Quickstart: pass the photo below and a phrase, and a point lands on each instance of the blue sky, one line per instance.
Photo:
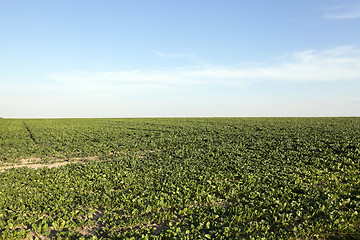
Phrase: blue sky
(110, 58)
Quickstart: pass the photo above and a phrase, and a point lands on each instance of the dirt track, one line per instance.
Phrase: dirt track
(36, 163)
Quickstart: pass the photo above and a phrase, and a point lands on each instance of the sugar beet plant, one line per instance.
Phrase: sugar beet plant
(210, 178)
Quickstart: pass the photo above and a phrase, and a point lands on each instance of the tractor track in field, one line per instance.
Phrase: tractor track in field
(36, 163)
(30, 133)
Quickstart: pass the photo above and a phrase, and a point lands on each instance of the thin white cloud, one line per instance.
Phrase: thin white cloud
(175, 55)
(337, 7)
(351, 15)
(343, 12)
(337, 64)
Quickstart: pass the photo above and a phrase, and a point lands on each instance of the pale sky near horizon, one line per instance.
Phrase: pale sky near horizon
(139, 58)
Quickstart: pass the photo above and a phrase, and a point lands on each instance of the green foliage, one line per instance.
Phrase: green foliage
(202, 178)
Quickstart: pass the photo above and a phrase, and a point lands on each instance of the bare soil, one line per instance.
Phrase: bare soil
(36, 163)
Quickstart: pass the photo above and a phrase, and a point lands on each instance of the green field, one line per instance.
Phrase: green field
(181, 178)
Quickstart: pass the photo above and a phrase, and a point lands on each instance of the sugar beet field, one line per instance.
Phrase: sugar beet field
(181, 178)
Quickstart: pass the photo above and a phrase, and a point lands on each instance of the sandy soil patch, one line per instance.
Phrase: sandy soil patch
(36, 163)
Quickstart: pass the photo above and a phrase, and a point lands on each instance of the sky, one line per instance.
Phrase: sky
(188, 58)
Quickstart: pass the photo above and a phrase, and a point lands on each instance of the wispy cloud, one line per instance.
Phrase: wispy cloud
(176, 55)
(337, 64)
(350, 15)
(343, 12)
(337, 6)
